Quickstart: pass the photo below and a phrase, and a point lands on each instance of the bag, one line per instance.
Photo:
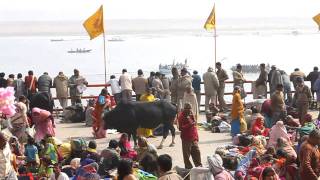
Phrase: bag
(78, 144)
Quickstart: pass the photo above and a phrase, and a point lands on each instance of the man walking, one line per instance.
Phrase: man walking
(189, 137)
(211, 85)
(222, 77)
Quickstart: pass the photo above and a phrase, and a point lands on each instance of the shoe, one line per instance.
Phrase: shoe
(160, 147)
(172, 144)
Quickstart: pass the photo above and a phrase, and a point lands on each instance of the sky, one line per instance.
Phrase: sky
(66, 10)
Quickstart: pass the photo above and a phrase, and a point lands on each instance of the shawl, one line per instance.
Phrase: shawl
(286, 147)
(40, 115)
(192, 100)
(215, 164)
(237, 106)
(277, 131)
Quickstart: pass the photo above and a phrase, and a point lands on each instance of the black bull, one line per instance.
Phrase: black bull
(129, 117)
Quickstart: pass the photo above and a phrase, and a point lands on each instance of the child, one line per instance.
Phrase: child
(31, 153)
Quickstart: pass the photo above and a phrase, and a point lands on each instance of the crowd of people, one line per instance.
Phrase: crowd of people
(268, 153)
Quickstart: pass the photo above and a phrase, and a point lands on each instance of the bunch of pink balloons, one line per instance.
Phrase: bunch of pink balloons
(7, 106)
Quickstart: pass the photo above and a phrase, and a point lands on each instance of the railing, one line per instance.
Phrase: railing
(107, 85)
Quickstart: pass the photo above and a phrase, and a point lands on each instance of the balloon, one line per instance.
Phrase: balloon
(7, 101)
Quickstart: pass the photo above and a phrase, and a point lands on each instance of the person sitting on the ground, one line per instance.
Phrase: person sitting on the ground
(58, 174)
(258, 146)
(31, 154)
(276, 132)
(285, 146)
(126, 150)
(290, 171)
(91, 152)
(165, 168)
(70, 170)
(269, 173)
(24, 174)
(216, 167)
(110, 158)
(148, 163)
(145, 147)
(308, 125)
(258, 127)
(125, 170)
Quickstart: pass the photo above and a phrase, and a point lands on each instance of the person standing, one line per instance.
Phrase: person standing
(317, 89)
(294, 75)
(309, 157)
(77, 85)
(174, 85)
(146, 97)
(276, 79)
(60, 82)
(125, 82)
(45, 83)
(150, 78)
(196, 85)
(19, 86)
(31, 84)
(286, 87)
(189, 137)
(222, 77)
(115, 88)
(211, 85)
(3, 81)
(139, 85)
(261, 82)
(10, 80)
(278, 105)
(166, 87)
(237, 110)
(302, 98)
(184, 81)
(273, 68)
(239, 80)
(312, 77)
(158, 86)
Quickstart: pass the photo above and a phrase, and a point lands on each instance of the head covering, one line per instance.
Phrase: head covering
(277, 131)
(39, 115)
(215, 164)
(284, 145)
(75, 163)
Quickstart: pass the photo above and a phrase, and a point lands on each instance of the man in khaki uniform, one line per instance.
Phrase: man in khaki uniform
(139, 85)
(222, 77)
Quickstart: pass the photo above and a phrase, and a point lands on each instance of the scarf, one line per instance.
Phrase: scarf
(277, 131)
(215, 164)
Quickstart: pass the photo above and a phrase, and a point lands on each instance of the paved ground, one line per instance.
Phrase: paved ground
(208, 141)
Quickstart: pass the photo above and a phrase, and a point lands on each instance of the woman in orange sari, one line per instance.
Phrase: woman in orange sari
(237, 115)
(103, 102)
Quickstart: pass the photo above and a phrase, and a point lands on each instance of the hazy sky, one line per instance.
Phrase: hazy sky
(43, 10)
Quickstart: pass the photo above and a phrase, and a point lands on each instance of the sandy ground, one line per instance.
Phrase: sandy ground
(207, 143)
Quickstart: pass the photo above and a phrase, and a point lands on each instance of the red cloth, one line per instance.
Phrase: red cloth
(266, 107)
(33, 86)
(187, 126)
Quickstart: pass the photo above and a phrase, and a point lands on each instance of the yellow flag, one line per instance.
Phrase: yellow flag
(211, 21)
(317, 19)
(94, 24)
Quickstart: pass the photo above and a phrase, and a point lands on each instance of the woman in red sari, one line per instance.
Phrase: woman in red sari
(258, 127)
(103, 102)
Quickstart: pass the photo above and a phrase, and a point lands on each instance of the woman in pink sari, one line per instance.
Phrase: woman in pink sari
(278, 131)
(43, 124)
(126, 150)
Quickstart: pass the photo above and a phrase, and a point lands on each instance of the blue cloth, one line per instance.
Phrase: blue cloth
(30, 152)
(244, 164)
(196, 82)
(101, 100)
(267, 121)
(235, 127)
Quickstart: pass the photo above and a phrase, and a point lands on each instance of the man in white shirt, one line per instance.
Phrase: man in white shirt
(115, 88)
(126, 86)
(57, 174)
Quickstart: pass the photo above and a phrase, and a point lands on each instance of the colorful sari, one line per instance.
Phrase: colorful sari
(145, 131)
(126, 150)
(98, 123)
(258, 127)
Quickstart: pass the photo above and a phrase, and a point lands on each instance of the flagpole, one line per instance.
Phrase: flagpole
(105, 58)
(215, 38)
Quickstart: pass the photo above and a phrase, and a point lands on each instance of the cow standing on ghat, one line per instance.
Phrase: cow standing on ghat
(128, 117)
